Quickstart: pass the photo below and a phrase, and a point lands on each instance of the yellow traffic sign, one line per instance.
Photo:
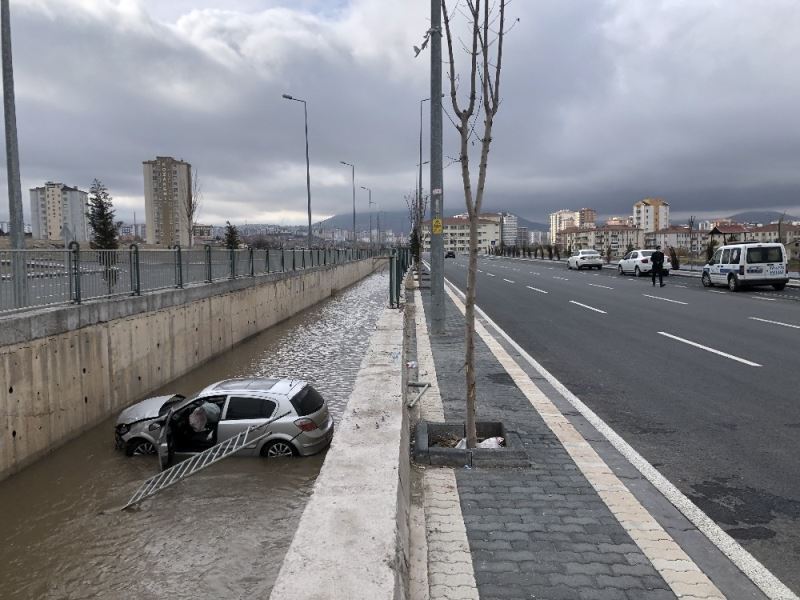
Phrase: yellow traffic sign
(437, 226)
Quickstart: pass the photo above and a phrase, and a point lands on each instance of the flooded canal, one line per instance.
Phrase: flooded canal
(220, 534)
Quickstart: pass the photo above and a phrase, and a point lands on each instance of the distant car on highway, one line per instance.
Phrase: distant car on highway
(638, 262)
(449, 254)
(747, 264)
(590, 259)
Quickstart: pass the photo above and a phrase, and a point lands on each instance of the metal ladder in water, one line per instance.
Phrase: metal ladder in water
(200, 461)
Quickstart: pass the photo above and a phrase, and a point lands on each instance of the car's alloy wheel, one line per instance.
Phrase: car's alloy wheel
(278, 449)
(706, 279)
(141, 448)
(637, 272)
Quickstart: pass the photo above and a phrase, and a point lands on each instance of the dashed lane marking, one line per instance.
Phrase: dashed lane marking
(508, 280)
(744, 361)
(775, 322)
(664, 299)
(600, 286)
(490, 274)
(536, 290)
(561, 278)
(717, 292)
(589, 307)
(767, 299)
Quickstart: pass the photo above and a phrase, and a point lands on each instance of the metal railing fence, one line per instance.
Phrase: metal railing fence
(77, 274)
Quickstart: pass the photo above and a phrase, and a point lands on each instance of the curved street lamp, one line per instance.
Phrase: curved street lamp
(308, 171)
(353, 167)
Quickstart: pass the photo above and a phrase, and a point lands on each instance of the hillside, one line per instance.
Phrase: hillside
(761, 216)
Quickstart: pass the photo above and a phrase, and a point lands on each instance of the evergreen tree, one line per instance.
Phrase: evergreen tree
(232, 240)
(101, 217)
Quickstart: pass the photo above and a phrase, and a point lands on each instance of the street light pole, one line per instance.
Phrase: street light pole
(12, 162)
(308, 169)
(436, 180)
(353, 167)
(369, 190)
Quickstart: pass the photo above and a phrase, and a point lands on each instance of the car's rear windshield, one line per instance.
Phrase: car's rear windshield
(647, 252)
(307, 401)
(771, 254)
(591, 253)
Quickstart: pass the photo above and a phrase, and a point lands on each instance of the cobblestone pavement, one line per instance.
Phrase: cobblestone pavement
(565, 527)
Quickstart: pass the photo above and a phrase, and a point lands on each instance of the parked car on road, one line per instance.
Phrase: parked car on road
(307, 427)
(449, 254)
(585, 258)
(746, 264)
(638, 262)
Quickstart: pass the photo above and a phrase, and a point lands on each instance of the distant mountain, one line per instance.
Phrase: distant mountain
(532, 225)
(398, 221)
(761, 216)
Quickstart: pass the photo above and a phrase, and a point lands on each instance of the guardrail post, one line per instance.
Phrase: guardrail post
(251, 260)
(267, 261)
(133, 259)
(178, 266)
(303, 258)
(294, 263)
(232, 260)
(392, 277)
(75, 251)
(283, 260)
(209, 274)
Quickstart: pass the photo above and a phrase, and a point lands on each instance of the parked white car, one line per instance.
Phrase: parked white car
(585, 258)
(748, 263)
(638, 262)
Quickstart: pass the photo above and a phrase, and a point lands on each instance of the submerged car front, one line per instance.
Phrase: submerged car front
(136, 431)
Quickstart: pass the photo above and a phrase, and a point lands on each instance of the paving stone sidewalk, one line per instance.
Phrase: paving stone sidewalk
(542, 531)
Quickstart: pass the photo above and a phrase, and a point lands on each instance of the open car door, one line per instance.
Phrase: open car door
(166, 442)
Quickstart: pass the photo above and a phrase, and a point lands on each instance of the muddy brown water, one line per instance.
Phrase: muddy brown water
(220, 534)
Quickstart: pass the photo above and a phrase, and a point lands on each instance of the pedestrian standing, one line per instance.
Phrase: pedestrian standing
(657, 258)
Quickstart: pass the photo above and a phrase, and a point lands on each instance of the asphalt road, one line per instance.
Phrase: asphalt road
(704, 383)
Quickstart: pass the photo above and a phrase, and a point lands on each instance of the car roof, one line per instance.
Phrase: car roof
(281, 386)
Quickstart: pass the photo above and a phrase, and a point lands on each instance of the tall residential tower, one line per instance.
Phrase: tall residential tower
(58, 212)
(167, 192)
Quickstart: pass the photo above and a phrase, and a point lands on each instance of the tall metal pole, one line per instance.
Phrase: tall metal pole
(353, 167)
(369, 190)
(436, 183)
(308, 168)
(12, 162)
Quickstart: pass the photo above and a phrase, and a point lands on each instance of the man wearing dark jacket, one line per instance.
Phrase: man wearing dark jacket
(658, 265)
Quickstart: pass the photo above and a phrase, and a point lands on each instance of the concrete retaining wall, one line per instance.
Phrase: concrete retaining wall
(65, 369)
(352, 541)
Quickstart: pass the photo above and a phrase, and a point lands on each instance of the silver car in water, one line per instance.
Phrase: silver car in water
(137, 429)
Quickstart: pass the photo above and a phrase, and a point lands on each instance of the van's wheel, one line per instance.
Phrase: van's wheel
(139, 447)
(733, 283)
(278, 449)
(778, 286)
(637, 272)
(619, 270)
(706, 279)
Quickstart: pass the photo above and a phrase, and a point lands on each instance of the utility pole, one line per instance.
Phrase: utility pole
(437, 243)
(369, 190)
(308, 168)
(12, 163)
(353, 167)
(691, 240)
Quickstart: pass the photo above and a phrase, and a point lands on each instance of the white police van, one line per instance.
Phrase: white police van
(747, 263)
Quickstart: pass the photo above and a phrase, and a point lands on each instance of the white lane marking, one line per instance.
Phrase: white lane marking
(490, 274)
(508, 280)
(664, 553)
(717, 292)
(600, 286)
(775, 322)
(773, 587)
(664, 299)
(767, 299)
(712, 350)
(561, 278)
(679, 285)
(536, 290)
(589, 307)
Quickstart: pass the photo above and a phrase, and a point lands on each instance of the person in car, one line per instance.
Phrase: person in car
(657, 258)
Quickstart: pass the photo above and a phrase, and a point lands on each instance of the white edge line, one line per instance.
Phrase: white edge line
(589, 307)
(712, 350)
(775, 322)
(767, 299)
(536, 290)
(664, 299)
(773, 587)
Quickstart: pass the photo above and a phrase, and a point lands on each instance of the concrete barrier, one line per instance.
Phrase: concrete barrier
(65, 369)
(352, 541)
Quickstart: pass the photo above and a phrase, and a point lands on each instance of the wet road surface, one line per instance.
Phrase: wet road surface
(220, 534)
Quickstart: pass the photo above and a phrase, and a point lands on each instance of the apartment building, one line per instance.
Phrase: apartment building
(510, 229)
(167, 190)
(538, 237)
(455, 233)
(58, 212)
(616, 237)
(678, 237)
(566, 219)
(651, 214)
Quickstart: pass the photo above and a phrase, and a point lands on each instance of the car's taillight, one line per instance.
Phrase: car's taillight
(741, 269)
(305, 425)
(644, 260)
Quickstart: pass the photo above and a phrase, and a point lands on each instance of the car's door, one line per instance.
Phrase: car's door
(631, 264)
(242, 412)
(166, 446)
(714, 266)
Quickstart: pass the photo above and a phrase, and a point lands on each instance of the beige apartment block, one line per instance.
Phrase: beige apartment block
(651, 214)
(58, 212)
(167, 190)
(455, 232)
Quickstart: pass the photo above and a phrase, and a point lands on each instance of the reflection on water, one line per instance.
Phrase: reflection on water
(220, 534)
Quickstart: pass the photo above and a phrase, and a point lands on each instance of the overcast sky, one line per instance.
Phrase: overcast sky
(604, 102)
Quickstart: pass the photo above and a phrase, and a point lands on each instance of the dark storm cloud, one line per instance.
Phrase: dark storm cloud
(603, 102)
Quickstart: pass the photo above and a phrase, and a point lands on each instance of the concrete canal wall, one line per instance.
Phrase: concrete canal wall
(353, 538)
(65, 369)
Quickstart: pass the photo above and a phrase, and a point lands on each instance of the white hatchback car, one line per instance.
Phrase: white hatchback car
(638, 262)
(585, 258)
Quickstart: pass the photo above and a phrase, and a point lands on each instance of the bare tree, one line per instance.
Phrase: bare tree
(191, 205)
(485, 52)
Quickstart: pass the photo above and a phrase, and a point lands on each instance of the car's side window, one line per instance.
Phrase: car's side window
(248, 408)
(736, 254)
(726, 256)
